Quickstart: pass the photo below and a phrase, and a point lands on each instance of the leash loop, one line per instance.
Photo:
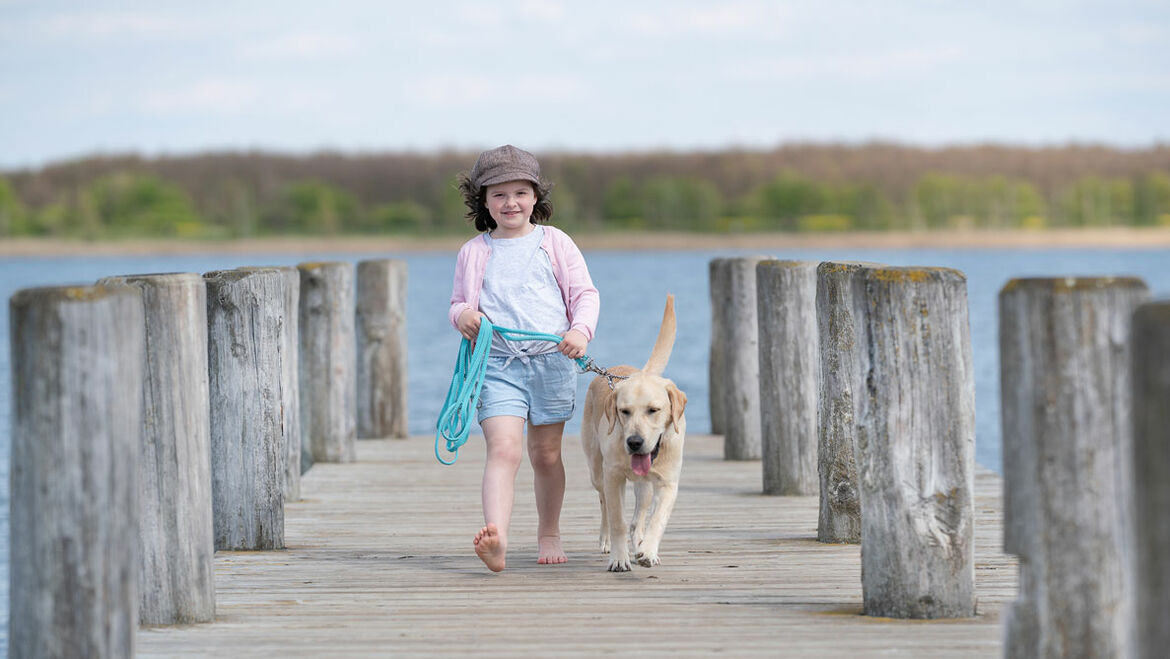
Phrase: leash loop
(454, 424)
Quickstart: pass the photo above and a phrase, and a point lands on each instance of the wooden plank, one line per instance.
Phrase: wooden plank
(379, 561)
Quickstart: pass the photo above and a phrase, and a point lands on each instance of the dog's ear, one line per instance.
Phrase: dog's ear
(609, 407)
(678, 403)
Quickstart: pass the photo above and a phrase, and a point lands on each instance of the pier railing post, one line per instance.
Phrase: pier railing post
(916, 446)
(841, 326)
(381, 348)
(328, 360)
(244, 347)
(290, 386)
(1067, 426)
(789, 362)
(1151, 419)
(77, 364)
(735, 358)
(176, 580)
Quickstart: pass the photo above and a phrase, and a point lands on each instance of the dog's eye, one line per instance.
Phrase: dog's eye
(625, 412)
(652, 410)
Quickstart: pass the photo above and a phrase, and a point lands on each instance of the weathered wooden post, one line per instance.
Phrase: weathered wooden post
(1151, 420)
(77, 357)
(381, 348)
(916, 446)
(735, 357)
(245, 327)
(841, 326)
(176, 581)
(328, 360)
(1066, 401)
(290, 386)
(789, 375)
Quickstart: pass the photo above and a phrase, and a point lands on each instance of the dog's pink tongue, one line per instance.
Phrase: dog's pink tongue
(640, 463)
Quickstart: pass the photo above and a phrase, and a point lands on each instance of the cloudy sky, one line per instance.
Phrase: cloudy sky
(162, 77)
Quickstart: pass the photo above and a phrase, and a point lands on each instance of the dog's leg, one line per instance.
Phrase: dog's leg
(664, 504)
(619, 550)
(603, 535)
(643, 496)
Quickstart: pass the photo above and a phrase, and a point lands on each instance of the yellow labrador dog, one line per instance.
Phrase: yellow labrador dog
(634, 432)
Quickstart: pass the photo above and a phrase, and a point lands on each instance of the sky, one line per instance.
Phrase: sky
(173, 78)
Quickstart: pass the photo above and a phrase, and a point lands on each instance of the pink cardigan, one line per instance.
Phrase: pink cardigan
(581, 298)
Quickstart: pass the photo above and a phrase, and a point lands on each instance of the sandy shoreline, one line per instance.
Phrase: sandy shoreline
(1065, 238)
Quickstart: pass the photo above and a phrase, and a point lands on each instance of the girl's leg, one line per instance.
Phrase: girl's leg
(503, 435)
(544, 452)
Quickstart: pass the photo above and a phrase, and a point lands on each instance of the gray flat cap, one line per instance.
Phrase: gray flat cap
(503, 164)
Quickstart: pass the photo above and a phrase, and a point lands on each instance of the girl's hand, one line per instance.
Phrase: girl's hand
(469, 323)
(573, 344)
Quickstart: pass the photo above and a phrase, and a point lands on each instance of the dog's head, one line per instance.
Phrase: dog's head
(648, 408)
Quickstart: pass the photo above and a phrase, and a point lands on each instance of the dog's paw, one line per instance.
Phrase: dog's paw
(647, 560)
(604, 546)
(619, 565)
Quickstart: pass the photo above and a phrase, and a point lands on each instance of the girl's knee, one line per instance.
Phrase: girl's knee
(544, 457)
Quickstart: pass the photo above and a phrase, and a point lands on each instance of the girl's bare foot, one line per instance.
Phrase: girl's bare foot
(489, 548)
(550, 550)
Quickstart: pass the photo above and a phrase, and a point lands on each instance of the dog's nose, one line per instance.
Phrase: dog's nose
(634, 443)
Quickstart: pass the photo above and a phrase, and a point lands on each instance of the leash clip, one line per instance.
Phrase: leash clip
(591, 366)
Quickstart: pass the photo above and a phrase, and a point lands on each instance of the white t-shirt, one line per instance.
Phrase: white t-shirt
(520, 291)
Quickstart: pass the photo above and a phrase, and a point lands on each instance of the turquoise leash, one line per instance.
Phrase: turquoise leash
(470, 366)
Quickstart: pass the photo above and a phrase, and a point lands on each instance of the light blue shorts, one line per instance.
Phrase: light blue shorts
(543, 391)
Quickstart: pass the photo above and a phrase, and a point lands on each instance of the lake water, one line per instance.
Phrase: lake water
(633, 289)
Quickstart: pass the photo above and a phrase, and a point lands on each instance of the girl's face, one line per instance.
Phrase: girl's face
(510, 205)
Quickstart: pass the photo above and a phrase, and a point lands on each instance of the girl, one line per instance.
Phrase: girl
(521, 274)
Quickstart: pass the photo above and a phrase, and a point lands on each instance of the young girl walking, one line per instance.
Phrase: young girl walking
(521, 273)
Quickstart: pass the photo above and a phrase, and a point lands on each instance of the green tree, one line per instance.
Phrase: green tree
(12, 212)
(782, 202)
(1152, 200)
(680, 203)
(621, 206)
(315, 208)
(400, 217)
(132, 205)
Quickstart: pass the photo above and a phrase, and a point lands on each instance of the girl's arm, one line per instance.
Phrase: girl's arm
(583, 300)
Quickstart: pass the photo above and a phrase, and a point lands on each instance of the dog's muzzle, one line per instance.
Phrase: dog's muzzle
(640, 462)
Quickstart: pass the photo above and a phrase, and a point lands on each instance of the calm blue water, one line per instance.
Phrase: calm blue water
(633, 289)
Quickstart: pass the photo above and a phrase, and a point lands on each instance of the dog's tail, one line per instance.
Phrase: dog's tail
(665, 343)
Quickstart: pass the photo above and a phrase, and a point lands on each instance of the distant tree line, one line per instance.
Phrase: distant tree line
(793, 188)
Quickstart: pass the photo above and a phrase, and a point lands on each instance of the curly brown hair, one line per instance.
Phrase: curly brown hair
(475, 198)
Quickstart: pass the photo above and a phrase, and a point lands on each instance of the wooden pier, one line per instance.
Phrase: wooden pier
(379, 563)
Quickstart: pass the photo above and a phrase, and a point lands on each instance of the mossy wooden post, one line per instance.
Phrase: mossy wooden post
(77, 367)
(290, 387)
(916, 446)
(841, 326)
(381, 348)
(176, 581)
(328, 360)
(1151, 420)
(789, 375)
(1067, 425)
(735, 356)
(245, 328)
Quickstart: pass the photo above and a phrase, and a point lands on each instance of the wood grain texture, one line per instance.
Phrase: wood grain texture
(328, 361)
(77, 363)
(381, 348)
(245, 341)
(790, 368)
(1151, 418)
(379, 563)
(735, 356)
(916, 445)
(841, 311)
(1067, 442)
(174, 478)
